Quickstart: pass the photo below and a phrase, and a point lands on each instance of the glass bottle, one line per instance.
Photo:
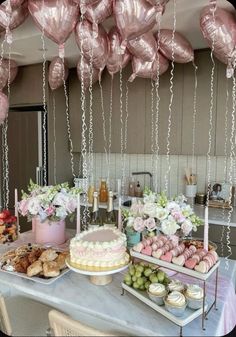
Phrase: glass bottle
(132, 187)
(91, 190)
(103, 194)
(110, 218)
(95, 219)
(138, 190)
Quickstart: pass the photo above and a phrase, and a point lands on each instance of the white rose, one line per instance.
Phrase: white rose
(186, 227)
(151, 198)
(61, 213)
(169, 226)
(161, 213)
(172, 205)
(130, 221)
(34, 206)
(187, 211)
(150, 209)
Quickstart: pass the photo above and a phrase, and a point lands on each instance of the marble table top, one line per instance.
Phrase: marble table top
(103, 307)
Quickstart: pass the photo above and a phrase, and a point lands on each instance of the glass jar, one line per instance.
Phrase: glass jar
(103, 193)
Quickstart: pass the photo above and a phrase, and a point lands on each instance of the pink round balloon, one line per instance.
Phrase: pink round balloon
(58, 17)
(17, 17)
(223, 31)
(183, 51)
(144, 47)
(148, 69)
(133, 18)
(4, 72)
(116, 60)
(83, 69)
(4, 106)
(98, 12)
(98, 45)
(58, 72)
(14, 3)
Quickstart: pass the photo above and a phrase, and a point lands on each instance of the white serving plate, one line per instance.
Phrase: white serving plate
(175, 267)
(35, 278)
(188, 316)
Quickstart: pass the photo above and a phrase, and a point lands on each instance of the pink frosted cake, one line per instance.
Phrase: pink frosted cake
(99, 249)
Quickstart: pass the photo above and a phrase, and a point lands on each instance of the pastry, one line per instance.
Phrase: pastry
(48, 255)
(50, 269)
(35, 268)
(175, 303)
(194, 296)
(176, 285)
(34, 255)
(21, 264)
(157, 292)
(60, 260)
(101, 248)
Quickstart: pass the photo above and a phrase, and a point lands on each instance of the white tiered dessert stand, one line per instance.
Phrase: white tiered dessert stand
(99, 278)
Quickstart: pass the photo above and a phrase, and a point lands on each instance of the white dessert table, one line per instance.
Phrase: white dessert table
(105, 308)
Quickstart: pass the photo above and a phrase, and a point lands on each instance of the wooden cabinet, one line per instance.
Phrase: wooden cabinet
(204, 64)
(27, 87)
(176, 119)
(223, 84)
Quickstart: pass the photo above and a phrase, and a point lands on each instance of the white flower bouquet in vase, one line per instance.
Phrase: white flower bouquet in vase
(48, 207)
(157, 213)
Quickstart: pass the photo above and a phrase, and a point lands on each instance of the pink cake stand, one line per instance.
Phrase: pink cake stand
(99, 278)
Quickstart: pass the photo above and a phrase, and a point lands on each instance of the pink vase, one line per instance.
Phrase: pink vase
(49, 232)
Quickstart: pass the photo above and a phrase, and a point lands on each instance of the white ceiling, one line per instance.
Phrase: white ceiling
(27, 45)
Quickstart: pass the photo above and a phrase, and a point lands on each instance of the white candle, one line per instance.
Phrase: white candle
(78, 215)
(119, 216)
(206, 229)
(16, 203)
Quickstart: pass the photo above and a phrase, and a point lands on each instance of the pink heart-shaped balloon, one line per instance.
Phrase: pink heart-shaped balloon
(14, 3)
(84, 70)
(116, 60)
(144, 47)
(134, 17)
(58, 17)
(4, 106)
(58, 73)
(17, 17)
(98, 12)
(148, 69)
(4, 72)
(183, 51)
(88, 43)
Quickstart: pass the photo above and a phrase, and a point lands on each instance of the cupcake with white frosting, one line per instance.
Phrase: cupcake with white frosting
(176, 285)
(175, 303)
(194, 295)
(157, 292)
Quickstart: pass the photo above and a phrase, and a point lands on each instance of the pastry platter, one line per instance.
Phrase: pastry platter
(97, 277)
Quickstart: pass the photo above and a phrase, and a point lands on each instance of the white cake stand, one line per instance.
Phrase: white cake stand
(99, 278)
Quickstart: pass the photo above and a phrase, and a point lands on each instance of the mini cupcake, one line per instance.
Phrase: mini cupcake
(157, 292)
(194, 296)
(176, 285)
(175, 303)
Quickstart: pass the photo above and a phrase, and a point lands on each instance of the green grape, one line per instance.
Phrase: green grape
(135, 285)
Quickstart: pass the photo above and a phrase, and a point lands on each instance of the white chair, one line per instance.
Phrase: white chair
(63, 325)
(21, 316)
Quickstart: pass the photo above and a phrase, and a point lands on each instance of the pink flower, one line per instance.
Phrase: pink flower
(23, 206)
(178, 216)
(138, 224)
(50, 210)
(150, 224)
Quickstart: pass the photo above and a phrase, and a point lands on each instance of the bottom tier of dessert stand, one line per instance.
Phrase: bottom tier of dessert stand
(99, 278)
(192, 273)
(188, 316)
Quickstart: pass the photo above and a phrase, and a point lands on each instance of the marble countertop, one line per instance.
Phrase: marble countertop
(217, 216)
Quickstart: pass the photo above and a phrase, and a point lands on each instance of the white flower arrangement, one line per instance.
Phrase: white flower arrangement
(54, 203)
(157, 212)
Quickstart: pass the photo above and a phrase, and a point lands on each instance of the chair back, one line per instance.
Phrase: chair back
(63, 325)
(5, 325)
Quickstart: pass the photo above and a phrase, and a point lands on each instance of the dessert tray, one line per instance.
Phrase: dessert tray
(188, 316)
(175, 267)
(34, 262)
(97, 277)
